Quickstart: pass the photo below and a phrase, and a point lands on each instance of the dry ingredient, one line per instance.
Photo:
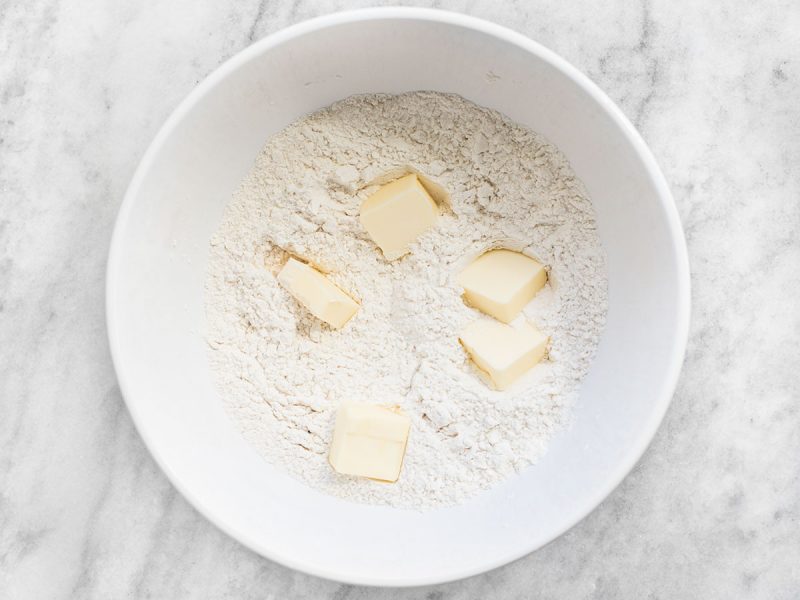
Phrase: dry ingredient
(283, 374)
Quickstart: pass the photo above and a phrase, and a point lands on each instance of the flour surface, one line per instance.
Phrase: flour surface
(282, 373)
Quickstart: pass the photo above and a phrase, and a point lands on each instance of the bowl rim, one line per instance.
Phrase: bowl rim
(680, 254)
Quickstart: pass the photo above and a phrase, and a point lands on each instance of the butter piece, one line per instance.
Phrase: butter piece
(317, 293)
(503, 353)
(396, 214)
(369, 441)
(501, 282)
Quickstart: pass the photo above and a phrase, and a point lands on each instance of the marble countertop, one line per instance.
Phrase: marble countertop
(711, 511)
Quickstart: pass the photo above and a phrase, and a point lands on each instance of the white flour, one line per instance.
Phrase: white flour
(282, 373)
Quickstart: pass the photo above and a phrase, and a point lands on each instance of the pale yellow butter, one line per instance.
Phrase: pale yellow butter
(396, 214)
(369, 441)
(317, 293)
(502, 352)
(501, 282)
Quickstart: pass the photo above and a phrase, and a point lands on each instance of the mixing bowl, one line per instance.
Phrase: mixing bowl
(159, 254)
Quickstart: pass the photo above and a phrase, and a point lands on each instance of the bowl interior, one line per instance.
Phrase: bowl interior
(159, 255)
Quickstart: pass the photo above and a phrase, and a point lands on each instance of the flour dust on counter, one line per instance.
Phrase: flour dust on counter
(283, 373)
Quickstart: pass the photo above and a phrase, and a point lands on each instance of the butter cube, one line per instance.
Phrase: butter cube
(501, 282)
(503, 353)
(369, 441)
(317, 293)
(396, 214)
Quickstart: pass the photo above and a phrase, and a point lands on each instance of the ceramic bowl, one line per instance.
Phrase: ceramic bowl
(159, 253)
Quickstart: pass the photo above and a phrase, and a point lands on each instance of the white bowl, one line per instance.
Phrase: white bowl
(156, 307)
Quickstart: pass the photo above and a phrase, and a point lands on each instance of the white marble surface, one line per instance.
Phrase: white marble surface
(713, 509)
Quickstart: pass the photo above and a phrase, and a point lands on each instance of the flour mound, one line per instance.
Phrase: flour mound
(282, 374)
